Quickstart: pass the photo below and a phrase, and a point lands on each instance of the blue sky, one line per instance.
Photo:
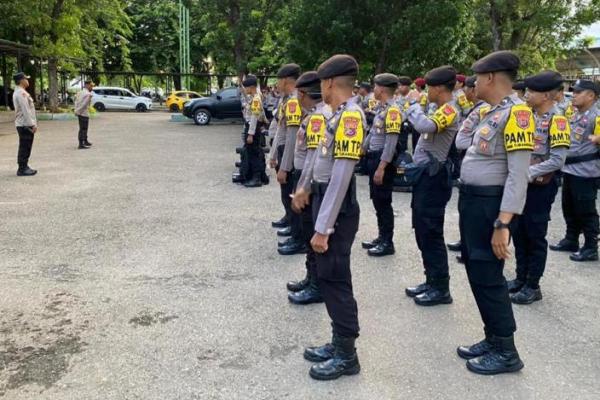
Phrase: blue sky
(592, 30)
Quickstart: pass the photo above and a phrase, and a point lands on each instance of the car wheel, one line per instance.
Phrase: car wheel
(99, 107)
(141, 108)
(202, 117)
(174, 108)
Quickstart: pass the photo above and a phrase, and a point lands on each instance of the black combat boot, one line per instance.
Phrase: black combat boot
(82, 146)
(286, 231)
(26, 171)
(515, 285)
(293, 247)
(254, 182)
(413, 291)
(343, 362)
(282, 223)
(371, 243)
(320, 353)
(503, 357)
(477, 349)
(297, 286)
(585, 254)
(438, 293)
(565, 245)
(454, 246)
(527, 295)
(88, 144)
(311, 294)
(384, 248)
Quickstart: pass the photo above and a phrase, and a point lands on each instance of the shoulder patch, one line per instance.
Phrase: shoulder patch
(349, 136)
(520, 129)
(293, 112)
(393, 120)
(315, 131)
(256, 106)
(483, 110)
(597, 126)
(423, 101)
(560, 132)
(444, 117)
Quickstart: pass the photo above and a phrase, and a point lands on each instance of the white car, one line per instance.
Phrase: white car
(115, 98)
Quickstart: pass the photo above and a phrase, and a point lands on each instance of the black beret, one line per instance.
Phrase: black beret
(308, 79)
(387, 80)
(585, 84)
(545, 81)
(338, 65)
(289, 71)
(404, 80)
(519, 85)
(250, 80)
(470, 81)
(366, 85)
(441, 76)
(19, 76)
(497, 61)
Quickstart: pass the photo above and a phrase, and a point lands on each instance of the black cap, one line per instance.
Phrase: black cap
(519, 85)
(404, 80)
(308, 79)
(585, 84)
(441, 76)
(338, 65)
(470, 81)
(366, 85)
(387, 80)
(19, 76)
(250, 80)
(289, 71)
(497, 61)
(545, 81)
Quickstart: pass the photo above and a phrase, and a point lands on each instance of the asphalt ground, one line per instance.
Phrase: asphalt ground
(137, 270)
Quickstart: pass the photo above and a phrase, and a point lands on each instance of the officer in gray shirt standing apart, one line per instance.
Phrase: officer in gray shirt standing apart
(82, 105)
(336, 211)
(493, 189)
(433, 190)
(25, 122)
(582, 176)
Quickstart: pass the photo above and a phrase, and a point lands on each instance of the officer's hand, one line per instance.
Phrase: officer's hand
(282, 177)
(250, 139)
(595, 139)
(500, 240)
(272, 163)
(34, 129)
(300, 199)
(378, 177)
(319, 243)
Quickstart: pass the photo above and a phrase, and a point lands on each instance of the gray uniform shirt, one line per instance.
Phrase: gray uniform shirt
(336, 171)
(437, 131)
(583, 125)
(24, 108)
(257, 113)
(546, 156)
(291, 120)
(278, 129)
(487, 163)
(82, 103)
(309, 161)
(464, 137)
(381, 137)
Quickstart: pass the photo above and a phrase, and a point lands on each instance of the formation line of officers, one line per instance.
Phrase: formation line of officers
(511, 153)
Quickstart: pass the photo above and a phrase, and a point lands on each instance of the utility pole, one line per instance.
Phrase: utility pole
(184, 44)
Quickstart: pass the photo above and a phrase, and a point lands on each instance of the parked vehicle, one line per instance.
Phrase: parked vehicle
(176, 100)
(225, 103)
(115, 98)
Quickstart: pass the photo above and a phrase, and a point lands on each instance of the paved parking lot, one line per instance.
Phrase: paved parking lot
(137, 270)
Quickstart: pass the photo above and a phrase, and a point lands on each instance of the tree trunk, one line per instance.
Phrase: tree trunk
(381, 61)
(496, 26)
(53, 84)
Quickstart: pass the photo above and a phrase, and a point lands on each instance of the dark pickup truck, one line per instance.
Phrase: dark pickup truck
(225, 103)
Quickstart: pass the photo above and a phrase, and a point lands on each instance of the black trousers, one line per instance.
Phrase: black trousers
(253, 158)
(286, 189)
(429, 199)
(455, 157)
(478, 211)
(25, 144)
(296, 221)
(308, 229)
(84, 123)
(381, 196)
(529, 233)
(579, 209)
(333, 269)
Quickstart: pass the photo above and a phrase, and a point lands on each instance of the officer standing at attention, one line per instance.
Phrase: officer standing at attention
(380, 147)
(551, 142)
(333, 196)
(433, 190)
(289, 116)
(493, 189)
(273, 126)
(253, 139)
(310, 134)
(82, 106)
(402, 102)
(26, 123)
(581, 176)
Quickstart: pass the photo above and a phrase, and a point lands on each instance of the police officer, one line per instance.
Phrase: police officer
(581, 176)
(82, 106)
(282, 153)
(380, 147)
(519, 88)
(460, 95)
(551, 142)
(310, 134)
(333, 197)
(272, 132)
(433, 190)
(564, 104)
(493, 190)
(254, 133)
(25, 121)
(464, 137)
